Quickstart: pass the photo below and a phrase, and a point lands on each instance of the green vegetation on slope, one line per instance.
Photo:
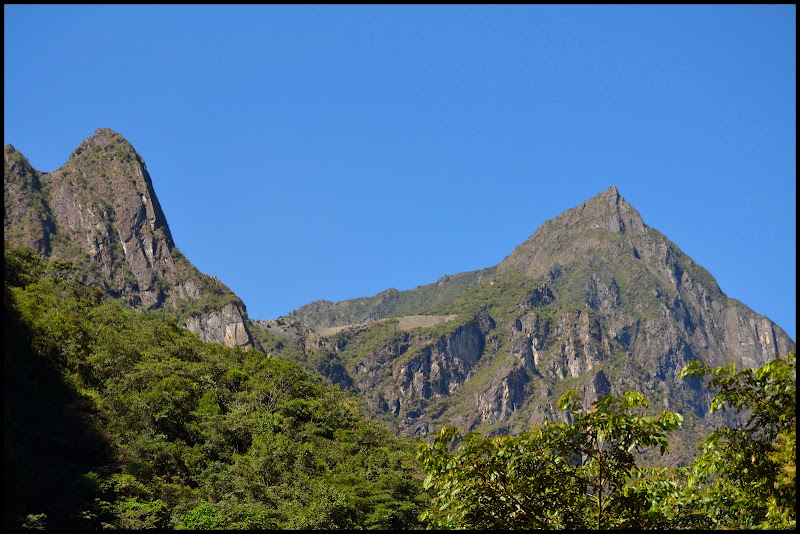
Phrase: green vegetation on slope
(116, 418)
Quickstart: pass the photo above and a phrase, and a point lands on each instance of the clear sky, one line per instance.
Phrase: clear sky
(331, 152)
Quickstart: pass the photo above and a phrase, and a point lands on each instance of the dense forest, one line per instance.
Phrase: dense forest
(117, 418)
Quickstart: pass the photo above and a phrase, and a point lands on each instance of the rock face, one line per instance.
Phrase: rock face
(595, 300)
(99, 210)
(27, 217)
(225, 327)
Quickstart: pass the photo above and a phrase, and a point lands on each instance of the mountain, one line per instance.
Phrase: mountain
(99, 211)
(595, 300)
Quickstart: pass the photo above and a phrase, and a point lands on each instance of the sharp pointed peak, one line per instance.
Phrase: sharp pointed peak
(612, 192)
(606, 212)
(610, 196)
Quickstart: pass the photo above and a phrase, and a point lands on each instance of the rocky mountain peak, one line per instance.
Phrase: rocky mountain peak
(108, 161)
(608, 211)
(26, 215)
(16, 162)
(611, 194)
(100, 211)
(602, 219)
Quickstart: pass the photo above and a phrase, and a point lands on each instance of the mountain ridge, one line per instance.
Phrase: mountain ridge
(389, 302)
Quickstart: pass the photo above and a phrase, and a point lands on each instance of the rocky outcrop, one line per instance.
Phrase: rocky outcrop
(99, 210)
(103, 196)
(440, 369)
(652, 298)
(226, 327)
(503, 394)
(404, 375)
(579, 347)
(563, 239)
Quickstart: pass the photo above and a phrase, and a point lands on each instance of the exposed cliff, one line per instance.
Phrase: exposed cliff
(651, 297)
(99, 210)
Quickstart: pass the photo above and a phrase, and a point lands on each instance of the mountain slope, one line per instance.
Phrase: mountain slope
(99, 210)
(115, 419)
(595, 300)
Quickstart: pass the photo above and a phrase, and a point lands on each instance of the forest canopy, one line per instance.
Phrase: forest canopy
(118, 418)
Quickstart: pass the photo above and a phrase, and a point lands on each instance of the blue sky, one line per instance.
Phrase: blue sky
(332, 152)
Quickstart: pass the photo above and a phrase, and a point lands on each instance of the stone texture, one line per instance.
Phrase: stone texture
(225, 327)
(502, 395)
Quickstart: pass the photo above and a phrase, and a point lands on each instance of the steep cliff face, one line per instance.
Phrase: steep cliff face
(409, 367)
(27, 217)
(595, 301)
(653, 300)
(502, 395)
(225, 327)
(99, 210)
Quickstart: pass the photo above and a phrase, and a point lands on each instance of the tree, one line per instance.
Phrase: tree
(581, 474)
(745, 477)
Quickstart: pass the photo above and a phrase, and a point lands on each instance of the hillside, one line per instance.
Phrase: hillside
(594, 300)
(327, 314)
(115, 419)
